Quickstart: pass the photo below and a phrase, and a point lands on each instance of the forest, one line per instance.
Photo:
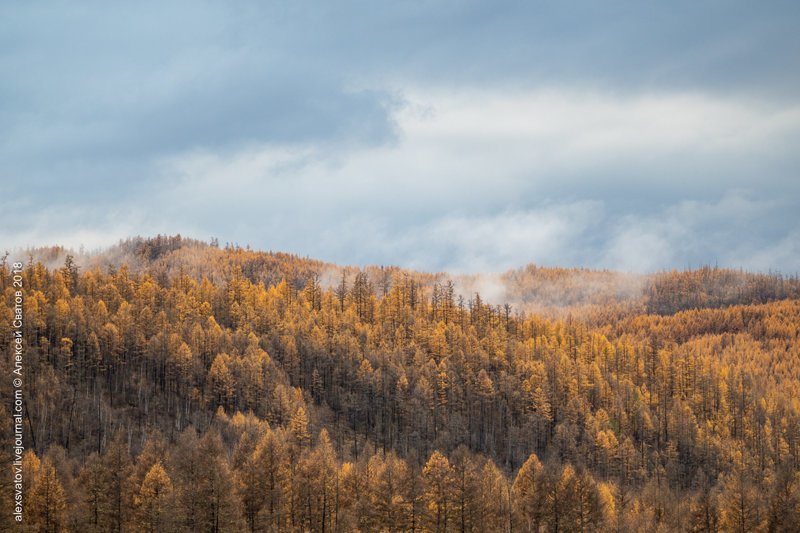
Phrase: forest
(177, 385)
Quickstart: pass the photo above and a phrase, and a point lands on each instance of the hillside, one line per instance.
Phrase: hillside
(165, 374)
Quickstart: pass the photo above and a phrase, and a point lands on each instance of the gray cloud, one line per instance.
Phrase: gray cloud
(465, 136)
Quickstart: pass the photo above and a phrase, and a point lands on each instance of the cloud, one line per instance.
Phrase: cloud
(783, 255)
(438, 135)
(492, 180)
(465, 244)
(730, 232)
(486, 181)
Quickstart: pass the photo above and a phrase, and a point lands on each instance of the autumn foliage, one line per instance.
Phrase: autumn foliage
(187, 387)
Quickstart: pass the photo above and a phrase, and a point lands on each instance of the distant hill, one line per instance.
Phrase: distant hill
(546, 290)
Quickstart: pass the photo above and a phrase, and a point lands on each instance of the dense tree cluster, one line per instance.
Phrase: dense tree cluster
(210, 389)
(670, 292)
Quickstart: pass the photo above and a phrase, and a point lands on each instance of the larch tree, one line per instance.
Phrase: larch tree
(528, 501)
(465, 491)
(739, 503)
(46, 505)
(95, 505)
(155, 503)
(116, 467)
(438, 481)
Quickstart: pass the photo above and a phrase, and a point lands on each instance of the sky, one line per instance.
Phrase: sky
(437, 135)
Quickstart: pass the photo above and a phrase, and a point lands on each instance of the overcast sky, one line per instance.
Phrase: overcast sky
(462, 136)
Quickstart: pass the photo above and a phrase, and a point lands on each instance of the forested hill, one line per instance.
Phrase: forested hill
(174, 385)
(542, 290)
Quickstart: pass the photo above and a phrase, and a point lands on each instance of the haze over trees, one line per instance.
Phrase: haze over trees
(173, 385)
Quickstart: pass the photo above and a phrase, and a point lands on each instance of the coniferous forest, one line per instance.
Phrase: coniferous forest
(177, 385)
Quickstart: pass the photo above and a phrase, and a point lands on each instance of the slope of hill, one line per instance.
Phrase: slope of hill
(166, 374)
